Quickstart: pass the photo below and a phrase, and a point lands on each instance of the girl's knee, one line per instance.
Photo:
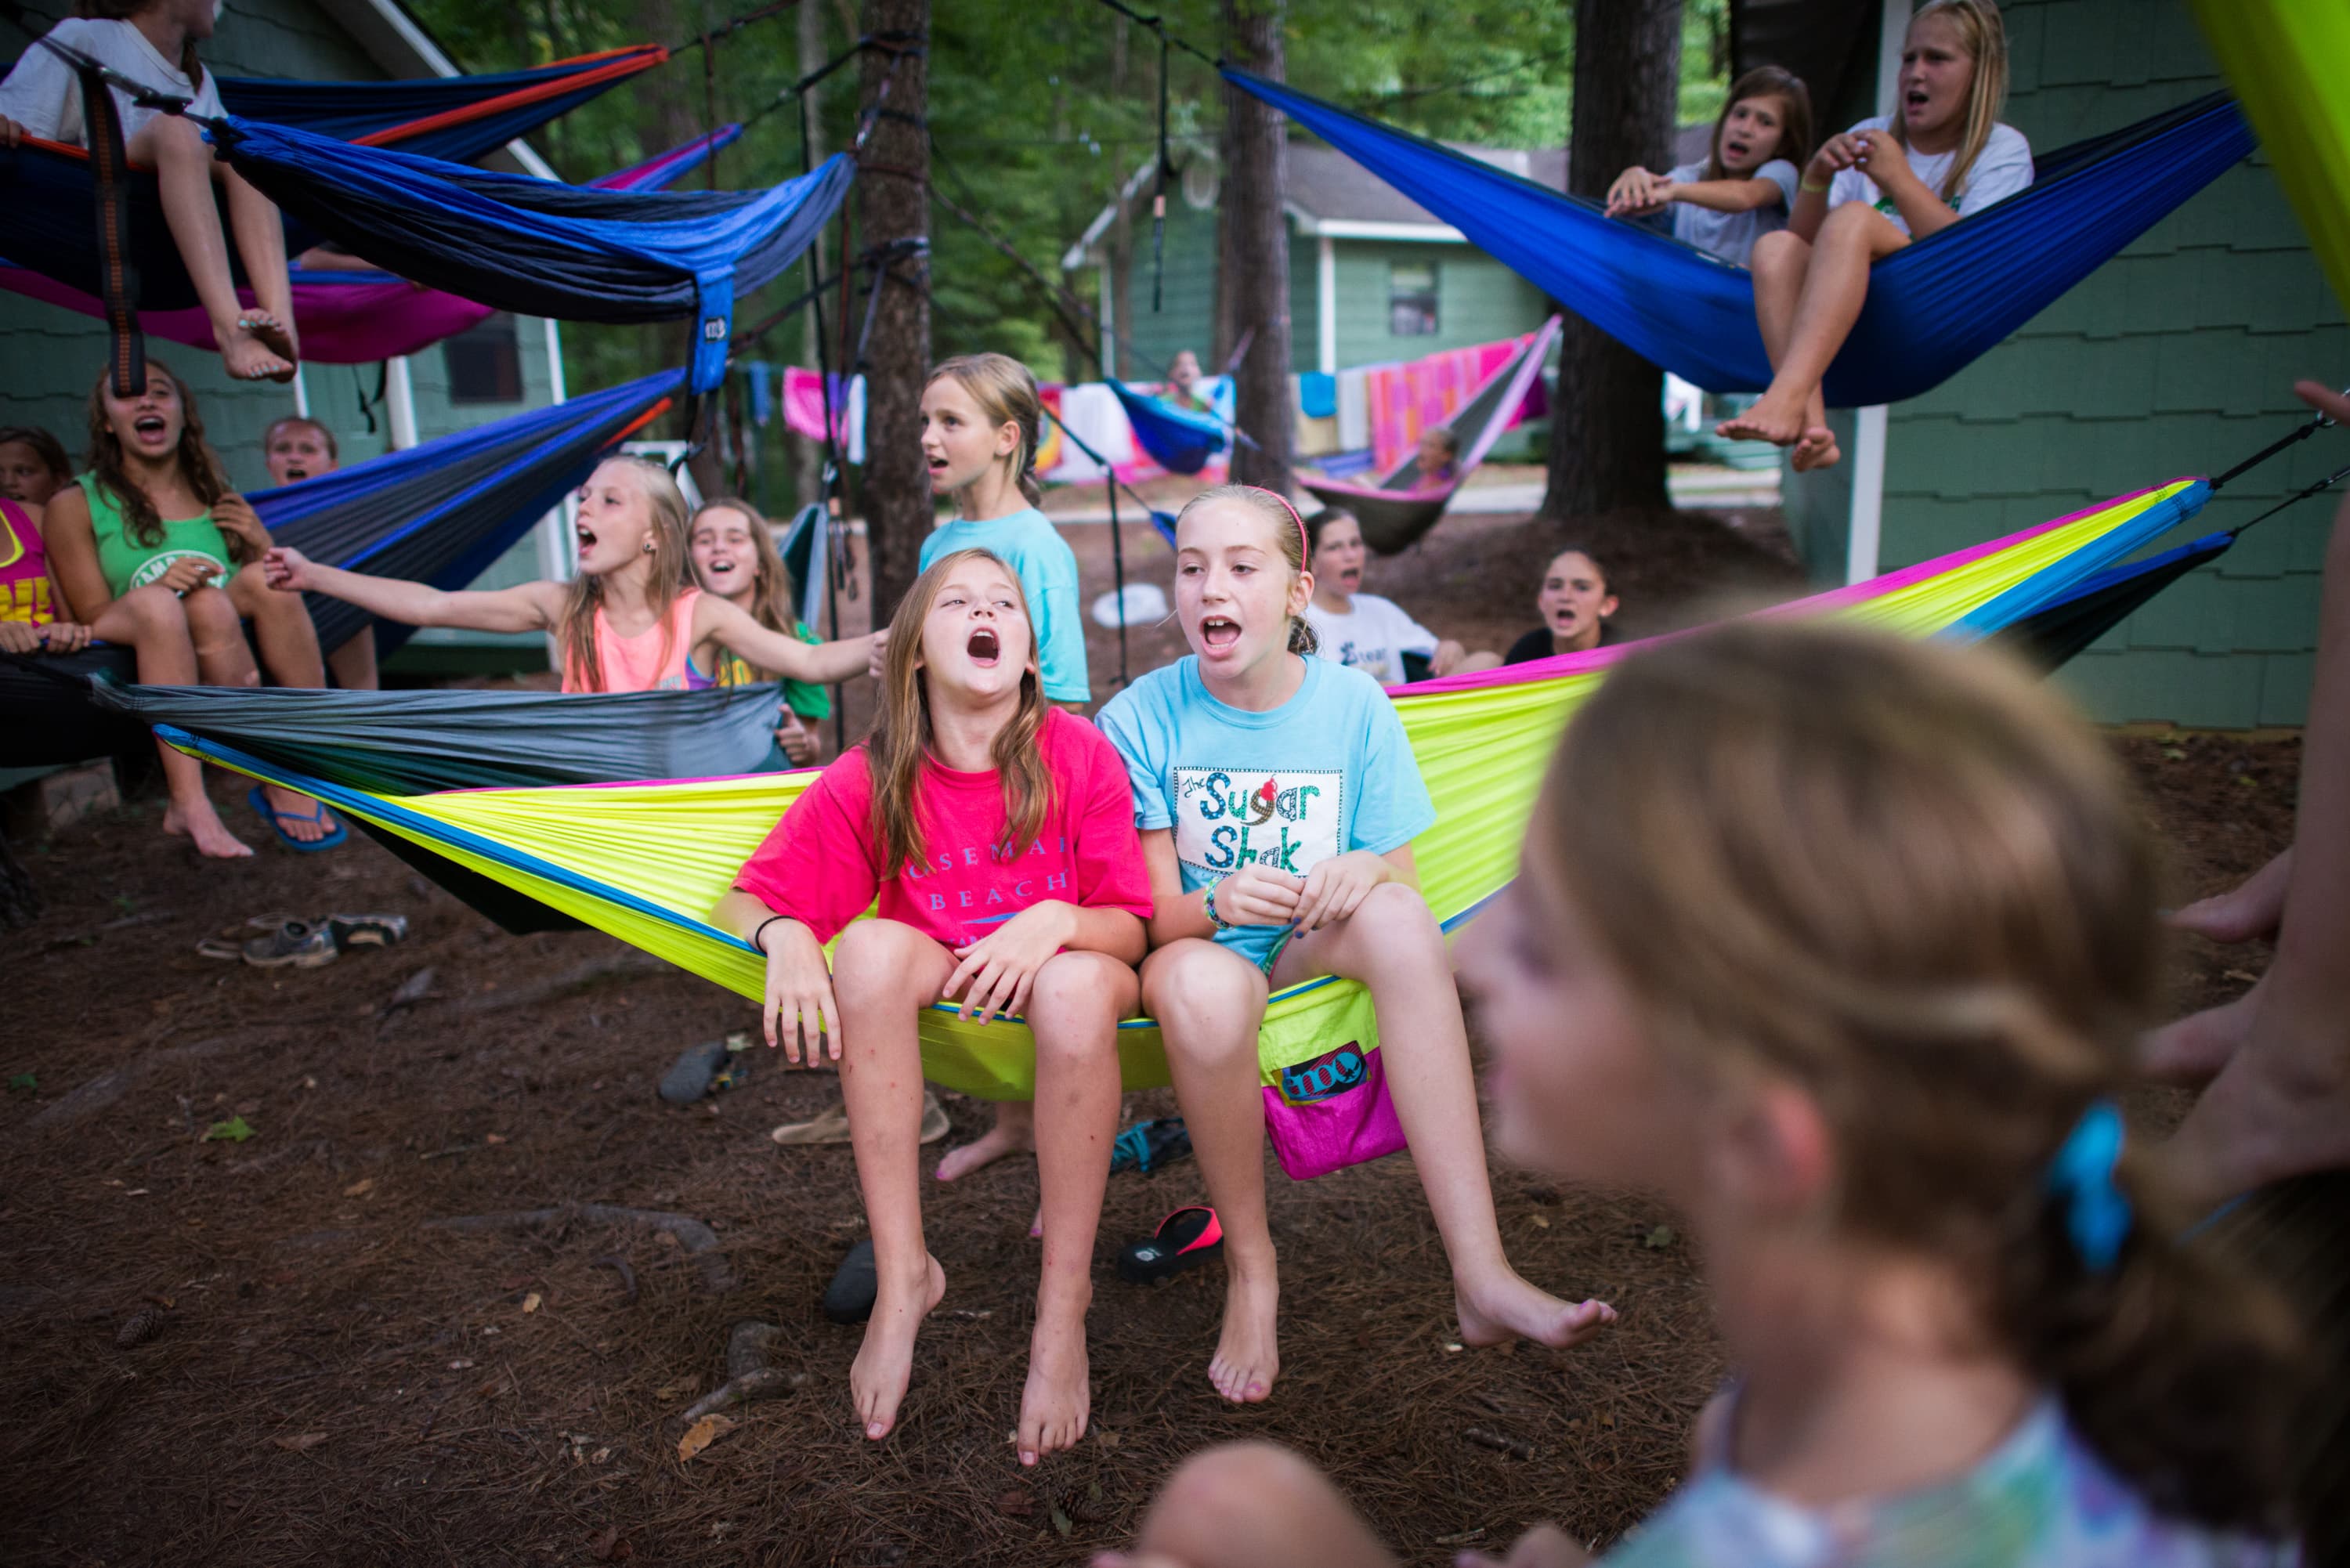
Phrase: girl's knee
(1087, 986)
(150, 609)
(1779, 249)
(878, 953)
(169, 139)
(212, 615)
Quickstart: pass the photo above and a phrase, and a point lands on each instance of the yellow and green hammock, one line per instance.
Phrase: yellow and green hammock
(646, 862)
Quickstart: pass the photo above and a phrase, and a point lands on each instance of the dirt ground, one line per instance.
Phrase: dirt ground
(324, 1380)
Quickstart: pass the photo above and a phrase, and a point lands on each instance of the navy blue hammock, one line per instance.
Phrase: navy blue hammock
(438, 513)
(1933, 307)
(1179, 440)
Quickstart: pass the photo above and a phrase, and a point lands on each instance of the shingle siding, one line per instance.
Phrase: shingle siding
(2177, 357)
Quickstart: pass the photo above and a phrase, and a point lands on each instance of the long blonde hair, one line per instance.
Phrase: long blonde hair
(575, 632)
(775, 599)
(901, 741)
(1905, 876)
(1288, 537)
(1985, 37)
(1006, 394)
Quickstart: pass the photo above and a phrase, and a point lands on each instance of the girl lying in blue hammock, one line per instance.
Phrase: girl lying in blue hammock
(998, 834)
(153, 43)
(1889, 180)
(1837, 943)
(1745, 188)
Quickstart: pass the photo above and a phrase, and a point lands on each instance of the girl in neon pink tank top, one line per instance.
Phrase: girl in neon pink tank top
(626, 623)
(28, 600)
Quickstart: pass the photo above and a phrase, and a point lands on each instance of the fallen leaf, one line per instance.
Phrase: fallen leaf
(494, 1139)
(2243, 975)
(677, 1390)
(1093, 1491)
(459, 1365)
(1061, 1522)
(2174, 754)
(232, 1130)
(608, 1545)
(1450, 1346)
(310, 1083)
(24, 1081)
(1663, 1236)
(666, 1239)
(599, 1456)
(1016, 1504)
(701, 1434)
(302, 1444)
(1542, 1221)
(530, 1302)
(489, 1390)
(361, 1189)
(1107, 1439)
(136, 1192)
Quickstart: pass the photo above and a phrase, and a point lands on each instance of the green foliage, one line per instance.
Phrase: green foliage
(1039, 114)
(233, 1130)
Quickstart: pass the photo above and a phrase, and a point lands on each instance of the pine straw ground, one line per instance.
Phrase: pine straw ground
(326, 1380)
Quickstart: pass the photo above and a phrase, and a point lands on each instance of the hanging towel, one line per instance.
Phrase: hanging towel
(1354, 409)
(1318, 394)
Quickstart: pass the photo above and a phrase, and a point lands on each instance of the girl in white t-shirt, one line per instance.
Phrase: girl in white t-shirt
(1866, 193)
(1363, 630)
(153, 42)
(1745, 186)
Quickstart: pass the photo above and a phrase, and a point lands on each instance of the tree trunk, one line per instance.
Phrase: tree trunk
(894, 202)
(1256, 276)
(1608, 422)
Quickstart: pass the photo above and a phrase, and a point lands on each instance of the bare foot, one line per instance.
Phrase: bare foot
(1014, 1132)
(2280, 1108)
(1059, 1397)
(272, 334)
(250, 359)
(1506, 1308)
(1775, 417)
(212, 836)
(2192, 1050)
(1816, 449)
(1248, 1355)
(2244, 913)
(885, 1362)
(302, 818)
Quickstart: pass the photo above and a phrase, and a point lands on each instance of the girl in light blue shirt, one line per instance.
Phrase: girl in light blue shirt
(1278, 799)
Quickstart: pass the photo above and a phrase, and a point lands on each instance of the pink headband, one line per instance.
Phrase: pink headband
(1305, 540)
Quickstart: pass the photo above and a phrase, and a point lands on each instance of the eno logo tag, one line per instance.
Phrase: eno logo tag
(1332, 1073)
(715, 329)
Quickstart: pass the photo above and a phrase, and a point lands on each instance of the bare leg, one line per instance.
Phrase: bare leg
(2194, 1048)
(2245, 913)
(151, 620)
(884, 973)
(261, 244)
(1252, 1505)
(1074, 1010)
(354, 663)
(1014, 1132)
(1834, 286)
(289, 649)
(2282, 1104)
(1393, 945)
(183, 175)
(1209, 1003)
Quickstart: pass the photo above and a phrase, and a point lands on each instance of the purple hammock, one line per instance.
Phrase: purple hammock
(358, 318)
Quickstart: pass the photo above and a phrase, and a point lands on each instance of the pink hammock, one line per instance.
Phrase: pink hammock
(358, 318)
(1396, 510)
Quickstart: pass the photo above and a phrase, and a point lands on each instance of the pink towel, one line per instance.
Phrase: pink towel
(1421, 394)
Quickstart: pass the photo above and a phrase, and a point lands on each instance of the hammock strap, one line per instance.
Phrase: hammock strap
(2301, 432)
(734, 24)
(1159, 25)
(1159, 198)
(109, 167)
(2328, 483)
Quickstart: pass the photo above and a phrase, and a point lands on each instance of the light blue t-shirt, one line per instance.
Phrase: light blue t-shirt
(1328, 772)
(1047, 569)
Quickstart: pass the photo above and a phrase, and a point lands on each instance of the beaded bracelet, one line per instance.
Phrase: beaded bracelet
(1208, 905)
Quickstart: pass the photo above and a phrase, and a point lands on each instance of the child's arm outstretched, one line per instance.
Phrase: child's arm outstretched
(526, 607)
(799, 999)
(1638, 191)
(818, 664)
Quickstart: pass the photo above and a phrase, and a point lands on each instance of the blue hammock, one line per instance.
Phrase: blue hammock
(1933, 307)
(538, 248)
(456, 118)
(1179, 440)
(442, 511)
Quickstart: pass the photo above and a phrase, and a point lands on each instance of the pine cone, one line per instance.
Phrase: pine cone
(138, 1327)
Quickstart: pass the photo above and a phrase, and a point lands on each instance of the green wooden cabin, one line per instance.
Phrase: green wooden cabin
(49, 357)
(2176, 357)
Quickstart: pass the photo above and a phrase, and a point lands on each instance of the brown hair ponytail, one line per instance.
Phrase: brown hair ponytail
(1903, 878)
(1006, 395)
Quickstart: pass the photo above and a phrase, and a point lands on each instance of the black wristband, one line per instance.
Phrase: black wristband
(760, 930)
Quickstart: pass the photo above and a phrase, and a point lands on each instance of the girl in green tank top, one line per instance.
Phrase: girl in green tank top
(145, 548)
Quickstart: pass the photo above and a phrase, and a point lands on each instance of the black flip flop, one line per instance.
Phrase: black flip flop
(699, 1069)
(1185, 1239)
(856, 1285)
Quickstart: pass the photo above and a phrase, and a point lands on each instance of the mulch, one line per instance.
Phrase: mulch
(262, 1351)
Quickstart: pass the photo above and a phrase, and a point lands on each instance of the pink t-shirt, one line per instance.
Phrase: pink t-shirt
(655, 659)
(822, 866)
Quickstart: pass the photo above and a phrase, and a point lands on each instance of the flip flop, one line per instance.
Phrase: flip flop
(856, 1286)
(1147, 1146)
(278, 820)
(701, 1068)
(1185, 1239)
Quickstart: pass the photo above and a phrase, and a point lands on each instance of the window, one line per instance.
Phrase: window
(484, 363)
(1411, 300)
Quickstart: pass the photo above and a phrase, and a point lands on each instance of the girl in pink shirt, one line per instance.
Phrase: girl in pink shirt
(626, 623)
(999, 834)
